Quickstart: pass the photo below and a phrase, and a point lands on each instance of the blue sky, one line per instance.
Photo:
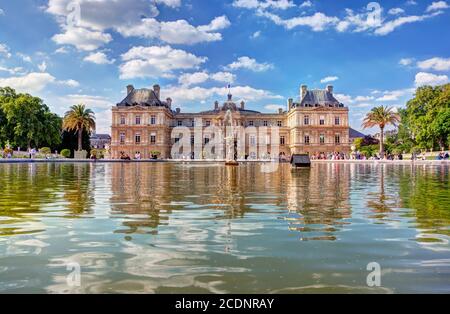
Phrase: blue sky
(373, 53)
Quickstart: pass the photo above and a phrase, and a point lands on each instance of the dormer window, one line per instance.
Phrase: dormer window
(180, 123)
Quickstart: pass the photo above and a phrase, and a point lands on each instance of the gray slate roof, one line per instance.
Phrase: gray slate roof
(315, 98)
(142, 97)
(356, 134)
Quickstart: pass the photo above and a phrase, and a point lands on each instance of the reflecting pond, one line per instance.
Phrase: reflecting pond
(207, 228)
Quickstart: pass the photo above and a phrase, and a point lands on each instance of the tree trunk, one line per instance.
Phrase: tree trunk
(80, 140)
(382, 143)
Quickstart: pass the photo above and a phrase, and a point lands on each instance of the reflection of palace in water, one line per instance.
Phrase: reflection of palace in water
(317, 199)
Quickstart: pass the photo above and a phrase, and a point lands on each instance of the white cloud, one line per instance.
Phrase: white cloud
(363, 98)
(394, 95)
(317, 22)
(177, 32)
(98, 58)
(43, 66)
(249, 64)
(62, 50)
(130, 18)
(329, 79)
(189, 79)
(396, 11)
(274, 107)
(390, 26)
(406, 61)
(4, 50)
(91, 101)
(255, 35)
(225, 77)
(437, 64)
(156, 61)
(13, 71)
(424, 78)
(69, 83)
(2, 12)
(306, 4)
(24, 57)
(247, 93)
(438, 5)
(82, 38)
(30, 83)
(256, 4)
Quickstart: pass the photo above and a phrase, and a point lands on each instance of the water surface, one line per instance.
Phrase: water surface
(206, 228)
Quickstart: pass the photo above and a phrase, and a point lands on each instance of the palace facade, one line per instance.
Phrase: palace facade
(315, 123)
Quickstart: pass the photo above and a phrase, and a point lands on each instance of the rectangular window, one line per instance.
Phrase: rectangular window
(153, 120)
(337, 139)
(322, 120)
(337, 121)
(138, 120)
(306, 120)
(192, 123)
(322, 139)
(252, 141)
(282, 140)
(280, 123)
(122, 120)
(153, 138)
(180, 123)
(307, 141)
(251, 123)
(208, 123)
(137, 138)
(265, 123)
(122, 138)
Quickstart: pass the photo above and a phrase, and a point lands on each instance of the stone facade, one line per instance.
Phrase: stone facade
(316, 123)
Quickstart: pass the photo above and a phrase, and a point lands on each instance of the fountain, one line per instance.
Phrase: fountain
(229, 140)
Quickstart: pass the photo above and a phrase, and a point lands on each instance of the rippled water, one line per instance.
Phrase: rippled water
(202, 228)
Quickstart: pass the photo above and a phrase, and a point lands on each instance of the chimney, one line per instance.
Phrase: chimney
(242, 105)
(169, 102)
(290, 103)
(330, 89)
(130, 88)
(157, 90)
(280, 110)
(216, 105)
(178, 110)
(303, 91)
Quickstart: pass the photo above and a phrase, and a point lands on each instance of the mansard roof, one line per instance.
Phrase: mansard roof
(142, 97)
(315, 98)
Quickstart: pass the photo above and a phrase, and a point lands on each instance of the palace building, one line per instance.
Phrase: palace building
(315, 123)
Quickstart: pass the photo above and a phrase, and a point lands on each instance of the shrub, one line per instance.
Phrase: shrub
(45, 151)
(98, 153)
(66, 153)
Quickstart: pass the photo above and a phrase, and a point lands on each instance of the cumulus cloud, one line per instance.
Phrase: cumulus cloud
(437, 64)
(329, 79)
(306, 4)
(394, 95)
(396, 11)
(98, 58)
(317, 22)
(246, 93)
(424, 78)
(4, 50)
(189, 79)
(438, 5)
(248, 64)
(156, 61)
(82, 38)
(97, 102)
(130, 18)
(30, 83)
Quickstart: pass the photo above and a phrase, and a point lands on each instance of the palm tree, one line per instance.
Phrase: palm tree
(78, 119)
(381, 117)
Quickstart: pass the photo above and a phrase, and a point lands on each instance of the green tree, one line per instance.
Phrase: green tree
(79, 119)
(27, 120)
(428, 117)
(381, 117)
